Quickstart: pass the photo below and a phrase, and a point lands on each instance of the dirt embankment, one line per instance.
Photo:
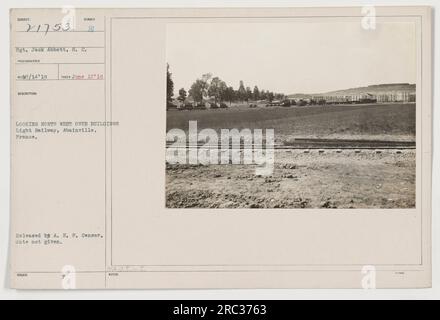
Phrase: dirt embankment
(300, 180)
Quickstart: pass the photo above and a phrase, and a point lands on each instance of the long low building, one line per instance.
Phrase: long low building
(397, 97)
(402, 96)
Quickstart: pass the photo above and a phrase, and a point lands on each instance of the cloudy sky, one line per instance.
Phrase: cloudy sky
(294, 57)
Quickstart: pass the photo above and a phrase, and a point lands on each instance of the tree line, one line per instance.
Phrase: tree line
(209, 86)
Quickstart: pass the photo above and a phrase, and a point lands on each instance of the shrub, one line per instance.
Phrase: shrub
(188, 106)
(201, 106)
(171, 106)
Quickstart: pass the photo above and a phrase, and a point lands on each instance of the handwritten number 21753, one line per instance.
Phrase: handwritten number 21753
(46, 28)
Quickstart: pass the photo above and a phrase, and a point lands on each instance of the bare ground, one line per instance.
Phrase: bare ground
(300, 180)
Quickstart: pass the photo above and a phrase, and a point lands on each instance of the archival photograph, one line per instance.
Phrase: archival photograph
(291, 115)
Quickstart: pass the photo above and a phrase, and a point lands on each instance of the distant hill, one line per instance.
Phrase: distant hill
(300, 96)
(373, 89)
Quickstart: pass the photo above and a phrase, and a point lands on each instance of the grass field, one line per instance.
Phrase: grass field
(376, 121)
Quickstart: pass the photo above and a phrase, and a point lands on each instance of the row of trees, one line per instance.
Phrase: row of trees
(213, 87)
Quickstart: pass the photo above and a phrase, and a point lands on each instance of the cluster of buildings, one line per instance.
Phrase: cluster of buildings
(374, 96)
(190, 104)
(386, 97)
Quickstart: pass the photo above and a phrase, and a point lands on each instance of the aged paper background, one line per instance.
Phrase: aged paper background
(111, 183)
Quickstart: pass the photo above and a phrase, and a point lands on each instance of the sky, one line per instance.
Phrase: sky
(293, 57)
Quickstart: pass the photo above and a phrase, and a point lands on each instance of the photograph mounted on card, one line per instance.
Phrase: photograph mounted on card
(221, 148)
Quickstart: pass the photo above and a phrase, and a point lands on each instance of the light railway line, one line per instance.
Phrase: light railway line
(312, 144)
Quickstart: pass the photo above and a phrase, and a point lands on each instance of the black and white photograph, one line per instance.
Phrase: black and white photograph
(219, 150)
(291, 114)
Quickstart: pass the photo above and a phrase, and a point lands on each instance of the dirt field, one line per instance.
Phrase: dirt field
(329, 180)
(305, 180)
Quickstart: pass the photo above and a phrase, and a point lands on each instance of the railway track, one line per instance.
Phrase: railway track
(304, 144)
